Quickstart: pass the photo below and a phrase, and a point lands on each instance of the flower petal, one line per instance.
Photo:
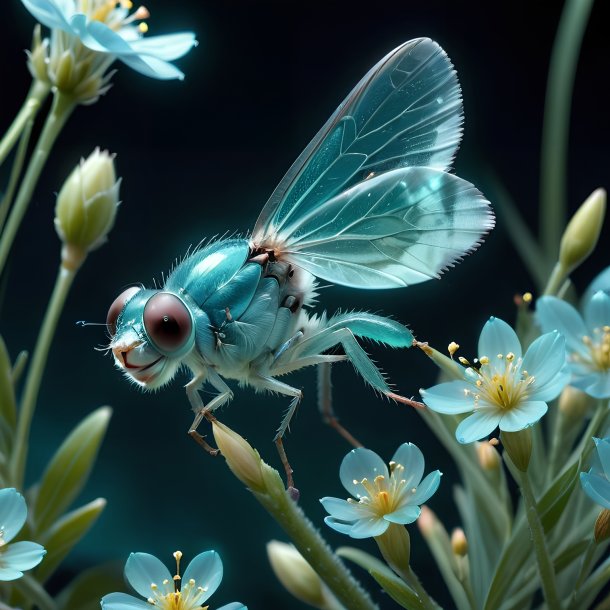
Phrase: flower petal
(168, 47)
(22, 555)
(411, 459)
(597, 488)
(233, 606)
(603, 451)
(142, 570)
(554, 314)
(13, 513)
(122, 601)
(360, 464)
(338, 526)
(497, 337)
(404, 515)
(597, 311)
(367, 528)
(553, 387)
(545, 357)
(9, 574)
(427, 488)
(448, 397)
(346, 511)
(48, 13)
(206, 570)
(523, 416)
(478, 425)
(600, 282)
(596, 385)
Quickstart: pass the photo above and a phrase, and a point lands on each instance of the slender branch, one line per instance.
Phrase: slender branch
(60, 111)
(64, 280)
(545, 563)
(37, 94)
(411, 578)
(35, 593)
(555, 131)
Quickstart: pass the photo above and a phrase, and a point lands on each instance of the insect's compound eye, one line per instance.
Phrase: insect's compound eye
(117, 307)
(167, 321)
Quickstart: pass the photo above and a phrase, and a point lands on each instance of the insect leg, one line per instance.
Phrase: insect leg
(273, 385)
(325, 404)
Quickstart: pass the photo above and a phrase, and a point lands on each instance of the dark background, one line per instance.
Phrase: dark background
(199, 158)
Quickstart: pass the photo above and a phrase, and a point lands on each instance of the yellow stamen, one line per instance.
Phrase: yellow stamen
(452, 348)
(143, 27)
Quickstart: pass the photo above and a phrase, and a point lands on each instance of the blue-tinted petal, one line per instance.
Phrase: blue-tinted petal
(545, 357)
(233, 606)
(554, 314)
(497, 337)
(597, 311)
(552, 388)
(9, 573)
(603, 451)
(427, 488)
(206, 570)
(522, 416)
(597, 488)
(142, 570)
(22, 555)
(360, 464)
(338, 526)
(600, 282)
(48, 13)
(596, 385)
(448, 397)
(478, 425)
(346, 511)
(168, 47)
(411, 459)
(122, 601)
(13, 512)
(152, 67)
(367, 528)
(404, 515)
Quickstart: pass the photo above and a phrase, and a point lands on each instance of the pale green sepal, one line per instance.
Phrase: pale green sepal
(552, 504)
(86, 590)
(398, 590)
(383, 575)
(450, 367)
(69, 469)
(65, 533)
(8, 411)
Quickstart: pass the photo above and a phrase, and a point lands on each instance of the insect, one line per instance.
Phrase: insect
(368, 204)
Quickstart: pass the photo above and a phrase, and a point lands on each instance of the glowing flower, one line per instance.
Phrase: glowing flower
(108, 28)
(596, 482)
(382, 497)
(502, 388)
(151, 579)
(18, 556)
(588, 340)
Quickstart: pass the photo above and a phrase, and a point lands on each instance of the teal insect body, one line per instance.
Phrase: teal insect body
(368, 204)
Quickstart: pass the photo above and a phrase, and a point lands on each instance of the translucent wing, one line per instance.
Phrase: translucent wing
(349, 188)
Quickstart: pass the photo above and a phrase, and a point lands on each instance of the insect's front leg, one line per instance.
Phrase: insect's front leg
(201, 409)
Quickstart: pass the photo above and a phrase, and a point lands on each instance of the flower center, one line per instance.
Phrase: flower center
(504, 388)
(599, 348)
(106, 12)
(181, 598)
(383, 494)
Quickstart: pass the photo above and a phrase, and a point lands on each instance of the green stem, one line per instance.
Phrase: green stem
(311, 545)
(64, 280)
(587, 563)
(35, 593)
(586, 446)
(558, 276)
(5, 204)
(545, 563)
(60, 111)
(37, 94)
(555, 131)
(413, 581)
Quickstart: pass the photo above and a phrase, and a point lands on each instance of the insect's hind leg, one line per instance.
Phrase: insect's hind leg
(325, 404)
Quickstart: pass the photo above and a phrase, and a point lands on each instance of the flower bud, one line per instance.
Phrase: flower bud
(86, 207)
(395, 546)
(582, 233)
(488, 456)
(298, 577)
(573, 403)
(242, 458)
(459, 544)
(518, 445)
(602, 526)
(38, 56)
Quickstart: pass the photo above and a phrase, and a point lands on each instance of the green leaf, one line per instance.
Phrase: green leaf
(568, 555)
(364, 560)
(69, 469)
(399, 591)
(86, 590)
(551, 505)
(8, 411)
(65, 533)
